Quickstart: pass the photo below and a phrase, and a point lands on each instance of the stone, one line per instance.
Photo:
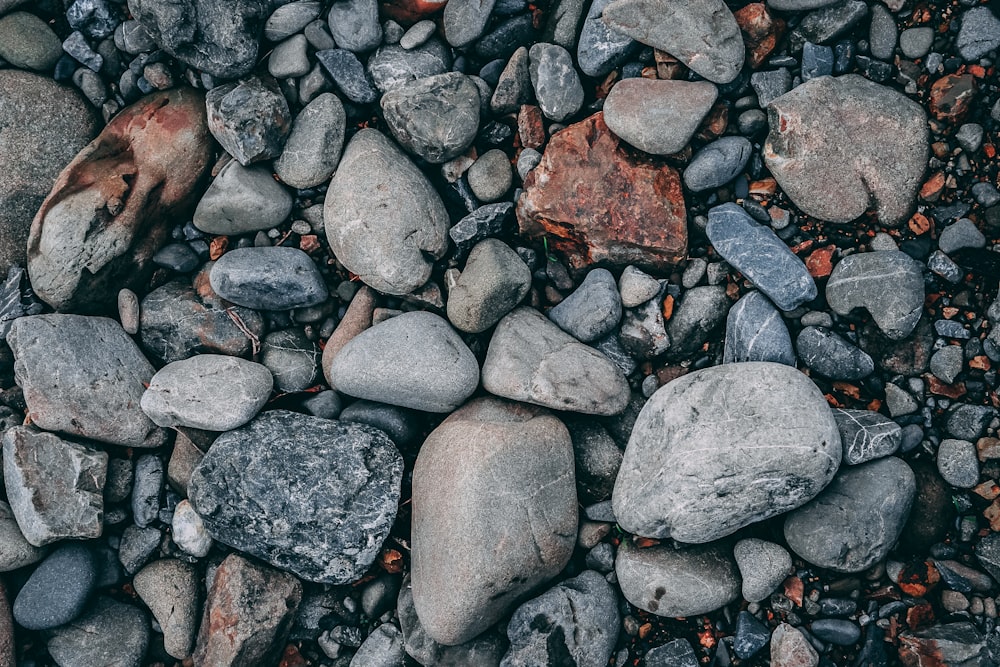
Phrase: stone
(750, 637)
(188, 530)
(643, 333)
(857, 519)
(755, 251)
(836, 631)
(391, 65)
(593, 310)
(830, 354)
(494, 281)
(771, 84)
(676, 653)
(169, 587)
(978, 34)
(7, 648)
(761, 31)
(384, 220)
(137, 546)
(701, 311)
(961, 234)
(57, 591)
(291, 359)
(27, 42)
(490, 176)
(969, 422)
(756, 332)
(790, 648)
(947, 363)
(576, 198)
(951, 97)
(249, 118)
(817, 61)
(348, 74)
(488, 220)
(383, 647)
(465, 20)
(577, 619)
(734, 457)
(988, 553)
(957, 463)
(530, 359)
(110, 633)
(882, 35)
(867, 435)
(290, 19)
(357, 318)
(211, 392)
(637, 287)
(15, 551)
(435, 118)
(916, 42)
(147, 489)
(717, 163)
(970, 137)
(947, 644)
(83, 376)
(677, 582)
(601, 48)
(417, 34)
(414, 360)
(829, 138)
(555, 81)
(354, 24)
(263, 487)
(763, 566)
(597, 459)
(703, 35)
(858, 281)
(270, 278)
(54, 486)
(216, 36)
(827, 23)
(248, 615)
(401, 424)
(523, 458)
(658, 116)
(242, 200)
(130, 186)
(514, 85)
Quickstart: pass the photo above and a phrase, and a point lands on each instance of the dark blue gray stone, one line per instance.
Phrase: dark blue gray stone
(95, 18)
(57, 591)
(831, 355)
(762, 258)
(699, 312)
(354, 24)
(76, 45)
(146, 489)
(771, 84)
(717, 163)
(756, 332)
(177, 257)
(979, 33)
(392, 65)
(866, 435)
(270, 278)
(969, 422)
(836, 631)
(348, 75)
(601, 48)
(816, 61)
(942, 265)
(750, 637)
(593, 310)
(824, 25)
(400, 424)
(555, 81)
(676, 653)
(859, 281)
(951, 329)
(110, 633)
(485, 221)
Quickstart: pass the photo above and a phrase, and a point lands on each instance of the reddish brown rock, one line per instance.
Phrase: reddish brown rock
(942, 645)
(113, 206)
(952, 95)
(761, 32)
(530, 126)
(600, 202)
(409, 12)
(248, 614)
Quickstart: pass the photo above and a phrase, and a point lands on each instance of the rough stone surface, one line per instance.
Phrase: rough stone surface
(867, 435)
(708, 456)
(978, 34)
(242, 199)
(312, 151)
(600, 48)
(383, 647)
(830, 354)
(465, 20)
(435, 118)
(494, 281)
(859, 280)
(249, 118)
(169, 587)
(555, 81)
(763, 566)
(15, 551)
(110, 633)
(958, 644)
(658, 116)
(269, 278)
(354, 24)
(756, 332)
(391, 65)
(790, 648)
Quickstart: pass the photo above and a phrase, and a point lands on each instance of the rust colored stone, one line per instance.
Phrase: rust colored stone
(599, 202)
(408, 12)
(357, 318)
(946, 645)
(530, 126)
(761, 32)
(917, 579)
(952, 95)
(715, 123)
(819, 263)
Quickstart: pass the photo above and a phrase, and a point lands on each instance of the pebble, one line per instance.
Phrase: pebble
(15, 551)
(348, 74)
(435, 118)
(882, 35)
(290, 19)
(146, 489)
(790, 648)
(643, 332)
(676, 653)
(947, 363)
(978, 34)
(601, 48)
(313, 148)
(382, 648)
(763, 566)
(27, 42)
(188, 530)
(291, 358)
(969, 422)
(137, 546)
(916, 42)
(490, 176)
(659, 116)
(836, 631)
(271, 278)
(465, 20)
(249, 118)
(858, 281)
(636, 287)
(831, 355)
(717, 163)
(755, 331)
(771, 84)
(962, 233)
(555, 81)
(750, 636)
(699, 313)
(392, 66)
(354, 24)
(817, 61)
(417, 34)
(494, 281)
(110, 633)
(593, 310)
(169, 588)
(866, 435)
(58, 590)
(513, 87)
(957, 463)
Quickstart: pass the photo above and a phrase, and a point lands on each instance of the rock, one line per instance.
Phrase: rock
(956, 461)
(242, 200)
(188, 530)
(382, 648)
(216, 36)
(867, 435)
(676, 653)
(137, 547)
(988, 554)
(916, 42)
(357, 318)
(836, 631)
(578, 620)
(290, 19)
(262, 488)
(488, 220)
(354, 24)
(183, 459)
(169, 588)
(576, 198)
(597, 460)
(530, 359)
(7, 647)
(211, 392)
(858, 281)
(490, 176)
(270, 278)
(555, 81)
(110, 633)
(417, 34)
(701, 311)
(593, 310)
(946, 644)
(969, 422)
(933, 512)
(828, 23)
(291, 358)
(249, 118)
(54, 486)
(130, 185)
(27, 42)
(519, 455)
(799, 5)
(978, 34)
(83, 376)
(717, 163)
(750, 637)
(15, 551)
(829, 138)
(147, 489)
(384, 220)
(677, 582)
(882, 34)
(401, 425)
(763, 258)
(961, 234)
(831, 355)
(790, 648)
(756, 332)
(772, 84)
(970, 138)
(658, 116)
(951, 97)
(817, 61)
(643, 333)
(703, 35)
(947, 363)
(637, 287)
(392, 65)
(761, 32)
(601, 48)
(514, 85)
(435, 118)
(248, 614)
(45, 126)
(856, 520)
(494, 281)
(348, 74)
(57, 591)
(763, 566)
(465, 20)
(687, 441)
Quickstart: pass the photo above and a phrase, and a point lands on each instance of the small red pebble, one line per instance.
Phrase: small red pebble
(820, 261)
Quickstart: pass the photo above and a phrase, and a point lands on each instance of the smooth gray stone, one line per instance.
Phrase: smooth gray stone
(717, 163)
(494, 281)
(763, 566)
(916, 42)
(110, 633)
(269, 278)
(563, 23)
(291, 358)
(170, 588)
(414, 360)
(465, 20)
(836, 631)
(521, 458)
(241, 200)
(312, 151)
(947, 363)
(577, 619)
(723, 447)
(637, 287)
(674, 582)
(857, 519)
(555, 81)
(27, 42)
(249, 118)
(290, 19)
(417, 34)
(658, 116)
(530, 359)
(383, 647)
(957, 463)
(384, 220)
(962, 233)
(57, 591)
(969, 422)
(831, 355)
(392, 66)
(264, 487)
(400, 424)
(592, 310)
(755, 331)
(882, 35)
(354, 24)
(289, 59)
(699, 313)
(436, 117)
(859, 281)
(978, 34)
(15, 551)
(970, 137)
(826, 24)
(490, 176)
(514, 87)
(601, 48)
(867, 435)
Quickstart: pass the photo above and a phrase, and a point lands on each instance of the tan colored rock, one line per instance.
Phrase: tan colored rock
(357, 318)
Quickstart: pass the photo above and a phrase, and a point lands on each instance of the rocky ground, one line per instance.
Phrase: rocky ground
(488, 332)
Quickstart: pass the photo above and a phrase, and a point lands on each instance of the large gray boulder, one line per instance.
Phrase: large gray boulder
(724, 447)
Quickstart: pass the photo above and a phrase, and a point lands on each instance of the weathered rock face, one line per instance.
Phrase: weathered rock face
(265, 487)
(493, 473)
(859, 280)
(829, 143)
(112, 207)
(724, 447)
(43, 125)
(599, 202)
(435, 117)
(658, 116)
(960, 644)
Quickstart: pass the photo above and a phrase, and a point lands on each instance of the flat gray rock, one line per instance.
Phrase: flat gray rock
(755, 331)
(383, 647)
(436, 117)
(978, 34)
(658, 116)
(556, 83)
(592, 310)
(15, 551)
(241, 200)
(268, 278)
(867, 435)
(601, 48)
(724, 447)
(414, 360)
(354, 24)
(530, 359)
(110, 633)
(494, 281)
(313, 148)
(832, 355)
(763, 566)
(859, 281)
(265, 487)
(717, 163)
(170, 588)
(392, 66)
(383, 218)
(465, 20)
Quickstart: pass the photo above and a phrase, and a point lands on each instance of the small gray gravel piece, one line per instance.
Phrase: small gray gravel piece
(717, 163)
(272, 278)
(957, 463)
(832, 355)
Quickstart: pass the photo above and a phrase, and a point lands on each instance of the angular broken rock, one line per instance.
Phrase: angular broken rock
(55, 487)
(113, 206)
(860, 281)
(530, 359)
(383, 217)
(249, 118)
(702, 34)
(597, 201)
(435, 117)
(658, 116)
(830, 140)
(958, 644)
(493, 473)
(724, 447)
(790, 648)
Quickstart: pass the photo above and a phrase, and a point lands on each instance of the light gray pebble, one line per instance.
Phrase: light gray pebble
(957, 463)
(418, 33)
(490, 176)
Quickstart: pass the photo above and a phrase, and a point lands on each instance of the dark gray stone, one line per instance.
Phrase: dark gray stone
(593, 310)
(110, 633)
(465, 20)
(601, 48)
(947, 363)
(755, 331)
(241, 200)
(643, 333)
(292, 359)
(400, 424)
(312, 151)
(436, 117)
(942, 265)
(988, 554)
(76, 46)
(867, 435)
(15, 551)
(249, 118)
(959, 644)
(96, 18)
(831, 355)
(137, 546)
(750, 637)
(882, 35)
(826, 24)
(348, 75)
(383, 647)
(658, 116)
(555, 81)
(269, 278)
(514, 85)
(392, 65)
(817, 61)
(354, 24)
(978, 34)
(957, 463)
(146, 490)
(916, 42)
(485, 221)
(494, 281)
(699, 313)
(717, 163)
(859, 280)
(676, 653)
(598, 459)
(963, 233)
(57, 591)
(771, 84)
